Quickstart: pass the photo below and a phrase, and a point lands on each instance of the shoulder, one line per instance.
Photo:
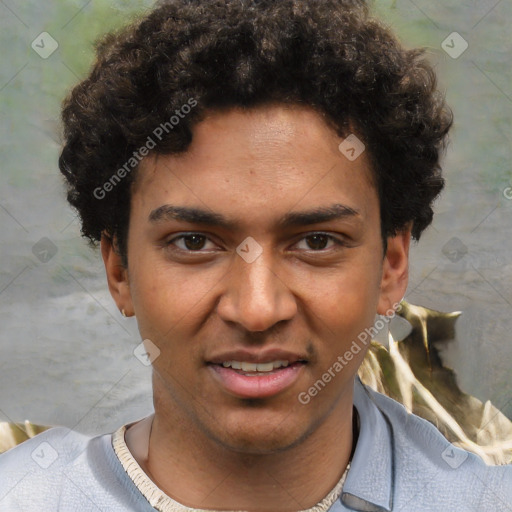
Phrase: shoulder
(61, 469)
(446, 474)
(38, 464)
(49, 450)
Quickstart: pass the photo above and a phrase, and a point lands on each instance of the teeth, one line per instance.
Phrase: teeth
(255, 367)
(265, 367)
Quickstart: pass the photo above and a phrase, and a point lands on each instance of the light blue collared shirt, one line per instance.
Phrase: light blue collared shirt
(401, 464)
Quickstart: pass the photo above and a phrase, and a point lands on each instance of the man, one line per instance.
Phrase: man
(254, 171)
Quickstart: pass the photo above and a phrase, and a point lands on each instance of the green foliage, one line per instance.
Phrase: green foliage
(79, 36)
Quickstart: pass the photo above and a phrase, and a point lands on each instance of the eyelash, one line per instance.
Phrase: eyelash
(169, 243)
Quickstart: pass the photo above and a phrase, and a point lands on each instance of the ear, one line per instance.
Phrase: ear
(117, 275)
(395, 271)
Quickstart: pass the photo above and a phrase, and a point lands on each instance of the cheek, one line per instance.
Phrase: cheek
(343, 304)
(350, 290)
(168, 299)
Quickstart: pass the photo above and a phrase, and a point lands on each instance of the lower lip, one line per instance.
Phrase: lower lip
(257, 386)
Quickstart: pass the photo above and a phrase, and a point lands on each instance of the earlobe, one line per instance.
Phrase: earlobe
(117, 275)
(395, 272)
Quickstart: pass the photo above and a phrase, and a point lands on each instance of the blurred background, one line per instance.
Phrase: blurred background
(66, 353)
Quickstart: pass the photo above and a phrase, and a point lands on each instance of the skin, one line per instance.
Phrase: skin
(208, 448)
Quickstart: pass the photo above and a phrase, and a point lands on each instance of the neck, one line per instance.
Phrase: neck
(200, 473)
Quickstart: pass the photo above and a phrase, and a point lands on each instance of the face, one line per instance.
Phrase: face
(255, 259)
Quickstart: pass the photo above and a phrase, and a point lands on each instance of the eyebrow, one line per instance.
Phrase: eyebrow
(198, 216)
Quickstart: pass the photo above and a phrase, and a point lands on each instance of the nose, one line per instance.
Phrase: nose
(256, 296)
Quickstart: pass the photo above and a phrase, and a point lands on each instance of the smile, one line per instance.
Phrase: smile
(244, 379)
(255, 368)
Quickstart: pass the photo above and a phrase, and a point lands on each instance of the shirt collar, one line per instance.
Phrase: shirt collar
(369, 482)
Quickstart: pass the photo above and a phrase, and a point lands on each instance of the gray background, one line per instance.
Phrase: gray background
(66, 354)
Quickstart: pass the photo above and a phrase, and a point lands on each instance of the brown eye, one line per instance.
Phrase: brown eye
(192, 242)
(317, 242)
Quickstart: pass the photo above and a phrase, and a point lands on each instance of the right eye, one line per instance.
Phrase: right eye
(189, 242)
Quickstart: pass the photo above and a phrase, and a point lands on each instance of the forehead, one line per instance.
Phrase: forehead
(258, 160)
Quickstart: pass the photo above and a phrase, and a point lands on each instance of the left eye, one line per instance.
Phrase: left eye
(318, 241)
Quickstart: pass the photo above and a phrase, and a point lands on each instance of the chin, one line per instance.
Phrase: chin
(249, 434)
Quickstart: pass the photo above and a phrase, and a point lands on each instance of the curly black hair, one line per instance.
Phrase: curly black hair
(330, 55)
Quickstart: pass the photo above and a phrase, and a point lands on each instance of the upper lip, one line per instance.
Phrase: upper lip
(260, 356)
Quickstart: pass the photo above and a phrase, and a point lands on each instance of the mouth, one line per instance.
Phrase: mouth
(255, 369)
(264, 379)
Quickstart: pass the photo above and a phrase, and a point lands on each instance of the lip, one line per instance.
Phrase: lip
(259, 356)
(241, 385)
